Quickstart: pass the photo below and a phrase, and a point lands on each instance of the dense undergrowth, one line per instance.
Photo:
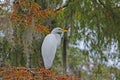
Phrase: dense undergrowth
(22, 73)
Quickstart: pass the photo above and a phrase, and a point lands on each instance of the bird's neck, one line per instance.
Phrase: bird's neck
(58, 37)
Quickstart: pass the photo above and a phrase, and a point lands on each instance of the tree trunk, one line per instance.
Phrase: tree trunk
(27, 42)
(64, 52)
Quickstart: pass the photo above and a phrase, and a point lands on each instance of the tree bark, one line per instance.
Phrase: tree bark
(64, 52)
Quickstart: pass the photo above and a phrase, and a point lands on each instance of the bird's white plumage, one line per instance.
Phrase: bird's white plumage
(49, 46)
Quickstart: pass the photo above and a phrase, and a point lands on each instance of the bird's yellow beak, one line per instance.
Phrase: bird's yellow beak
(64, 30)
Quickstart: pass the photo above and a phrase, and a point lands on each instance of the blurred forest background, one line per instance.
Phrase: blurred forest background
(92, 46)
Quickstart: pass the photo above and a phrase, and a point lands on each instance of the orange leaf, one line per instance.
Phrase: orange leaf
(36, 6)
(42, 28)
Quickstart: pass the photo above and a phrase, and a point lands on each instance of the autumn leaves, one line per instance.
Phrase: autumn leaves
(30, 14)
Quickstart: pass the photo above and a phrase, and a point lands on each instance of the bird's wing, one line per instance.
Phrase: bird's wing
(49, 47)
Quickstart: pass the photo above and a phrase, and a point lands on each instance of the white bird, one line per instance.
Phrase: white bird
(49, 46)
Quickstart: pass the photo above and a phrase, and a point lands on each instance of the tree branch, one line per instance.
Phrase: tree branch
(101, 3)
(61, 7)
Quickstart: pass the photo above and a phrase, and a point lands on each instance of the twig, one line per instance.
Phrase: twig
(101, 3)
(60, 8)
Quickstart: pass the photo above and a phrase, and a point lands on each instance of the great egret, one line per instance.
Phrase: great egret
(49, 46)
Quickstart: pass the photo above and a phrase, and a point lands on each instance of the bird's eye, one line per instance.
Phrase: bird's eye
(59, 32)
(59, 29)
